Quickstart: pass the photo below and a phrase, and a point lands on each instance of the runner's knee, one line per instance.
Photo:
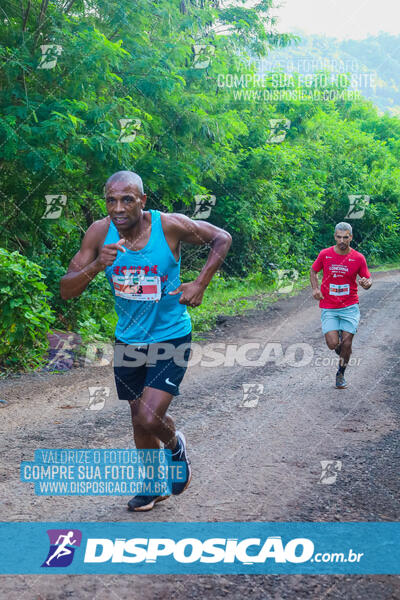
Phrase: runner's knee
(332, 344)
(147, 420)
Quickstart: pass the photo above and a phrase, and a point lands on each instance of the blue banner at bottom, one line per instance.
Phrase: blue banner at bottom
(208, 548)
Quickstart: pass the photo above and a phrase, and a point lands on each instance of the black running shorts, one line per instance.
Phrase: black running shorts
(161, 365)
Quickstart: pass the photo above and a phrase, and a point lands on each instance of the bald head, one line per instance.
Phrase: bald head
(125, 200)
(127, 177)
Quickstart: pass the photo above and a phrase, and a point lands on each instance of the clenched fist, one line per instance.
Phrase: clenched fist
(108, 254)
(317, 294)
(365, 282)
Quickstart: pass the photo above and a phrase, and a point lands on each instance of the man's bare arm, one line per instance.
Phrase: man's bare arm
(316, 292)
(88, 262)
(199, 233)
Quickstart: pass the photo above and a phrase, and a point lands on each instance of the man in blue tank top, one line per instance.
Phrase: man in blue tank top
(139, 251)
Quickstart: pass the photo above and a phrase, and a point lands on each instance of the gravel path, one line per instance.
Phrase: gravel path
(250, 463)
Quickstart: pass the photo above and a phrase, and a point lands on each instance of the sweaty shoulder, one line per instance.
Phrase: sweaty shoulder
(171, 220)
(173, 225)
(97, 232)
(174, 222)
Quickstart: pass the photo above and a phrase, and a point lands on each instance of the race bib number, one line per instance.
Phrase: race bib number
(339, 290)
(137, 286)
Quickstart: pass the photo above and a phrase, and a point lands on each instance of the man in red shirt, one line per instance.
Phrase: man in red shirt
(338, 296)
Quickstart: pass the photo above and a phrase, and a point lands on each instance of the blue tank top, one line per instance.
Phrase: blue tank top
(140, 281)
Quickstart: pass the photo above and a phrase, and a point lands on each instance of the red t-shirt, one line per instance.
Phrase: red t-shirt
(339, 285)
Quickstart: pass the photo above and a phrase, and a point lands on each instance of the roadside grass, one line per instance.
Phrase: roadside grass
(230, 296)
(233, 296)
(386, 267)
(224, 297)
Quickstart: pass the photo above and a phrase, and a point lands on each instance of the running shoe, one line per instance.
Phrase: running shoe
(180, 486)
(340, 381)
(143, 503)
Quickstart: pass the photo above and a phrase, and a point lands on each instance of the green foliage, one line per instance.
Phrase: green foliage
(25, 312)
(230, 296)
(60, 134)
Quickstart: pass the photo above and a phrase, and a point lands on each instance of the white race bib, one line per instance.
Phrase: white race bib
(339, 290)
(137, 286)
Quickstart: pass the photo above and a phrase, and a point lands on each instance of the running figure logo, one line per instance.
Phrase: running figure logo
(62, 547)
(98, 397)
(251, 394)
(204, 205)
(330, 471)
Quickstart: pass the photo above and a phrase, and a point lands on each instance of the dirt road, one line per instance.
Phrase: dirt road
(259, 462)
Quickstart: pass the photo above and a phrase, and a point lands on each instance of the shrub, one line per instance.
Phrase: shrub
(25, 313)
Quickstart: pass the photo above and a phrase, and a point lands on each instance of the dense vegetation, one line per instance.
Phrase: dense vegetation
(165, 65)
